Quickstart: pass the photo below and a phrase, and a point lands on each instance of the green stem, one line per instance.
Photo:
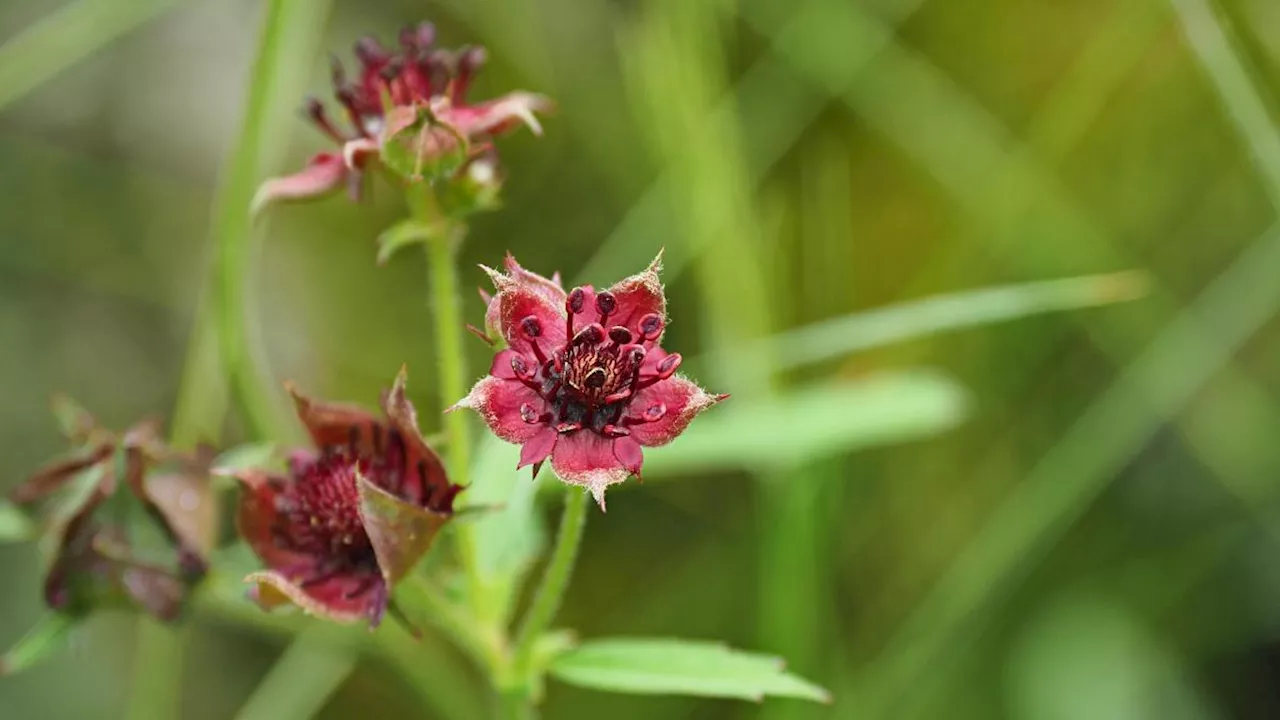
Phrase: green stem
(546, 602)
(158, 663)
(424, 603)
(446, 303)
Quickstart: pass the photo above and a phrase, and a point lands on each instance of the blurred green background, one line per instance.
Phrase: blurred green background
(1071, 514)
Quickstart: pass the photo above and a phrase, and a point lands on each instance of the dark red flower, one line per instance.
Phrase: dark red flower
(351, 517)
(414, 80)
(584, 380)
(96, 561)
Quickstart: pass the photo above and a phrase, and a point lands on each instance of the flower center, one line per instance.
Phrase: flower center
(414, 75)
(320, 512)
(591, 381)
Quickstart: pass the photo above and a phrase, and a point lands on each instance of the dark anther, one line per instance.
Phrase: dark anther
(391, 70)
(590, 335)
(369, 51)
(531, 327)
(614, 431)
(577, 300)
(520, 366)
(636, 355)
(620, 335)
(568, 427)
(337, 74)
(655, 412)
(651, 326)
(528, 414)
(669, 365)
(606, 303)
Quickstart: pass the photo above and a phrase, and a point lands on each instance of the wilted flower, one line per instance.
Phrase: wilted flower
(97, 562)
(350, 518)
(584, 380)
(412, 101)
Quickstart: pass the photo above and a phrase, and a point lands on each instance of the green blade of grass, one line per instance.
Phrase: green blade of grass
(302, 679)
(1151, 390)
(918, 318)
(65, 37)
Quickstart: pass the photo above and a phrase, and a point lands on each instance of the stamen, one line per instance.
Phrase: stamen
(568, 427)
(316, 112)
(620, 335)
(592, 334)
(614, 431)
(573, 305)
(532, 330)
(347, 98)
(668, 366)
(369, 51)
(651, 327)
(520, 366)
(606, 304)
(531, 416)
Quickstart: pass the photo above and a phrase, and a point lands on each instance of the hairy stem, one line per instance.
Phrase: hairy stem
(546, 603)
(446, 304)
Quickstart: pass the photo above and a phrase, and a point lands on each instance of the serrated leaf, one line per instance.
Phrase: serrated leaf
(813, 422)
(658, 666)
(403, 234)
(14, 524)
(47, 637)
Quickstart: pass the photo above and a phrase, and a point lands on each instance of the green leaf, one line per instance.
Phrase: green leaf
(14, 524)
(819, 420)
(243, 457)
(48, 636)
(402, 234)
(910, 320)
(680, 667)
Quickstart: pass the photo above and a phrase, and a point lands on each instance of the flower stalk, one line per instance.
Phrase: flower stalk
(547, 600)
(446, 305)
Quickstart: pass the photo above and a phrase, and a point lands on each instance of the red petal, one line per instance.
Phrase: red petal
(628, 452)
(257, 518)
(498, 401)
(497, 116)
(345, 598)
(586, 459)
(511, 306)
(683, 399)
(501, 365)
(537, 448)
(324, 172)
(639, 295)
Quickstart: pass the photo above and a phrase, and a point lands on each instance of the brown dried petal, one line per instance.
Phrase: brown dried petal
(336, 425)
(55, 476)
(422, 462)
(400, 532)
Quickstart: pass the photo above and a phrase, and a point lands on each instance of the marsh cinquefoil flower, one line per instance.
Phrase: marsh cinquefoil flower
(413, 101)
(97, 560)
(350, 518)
(584, 380)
